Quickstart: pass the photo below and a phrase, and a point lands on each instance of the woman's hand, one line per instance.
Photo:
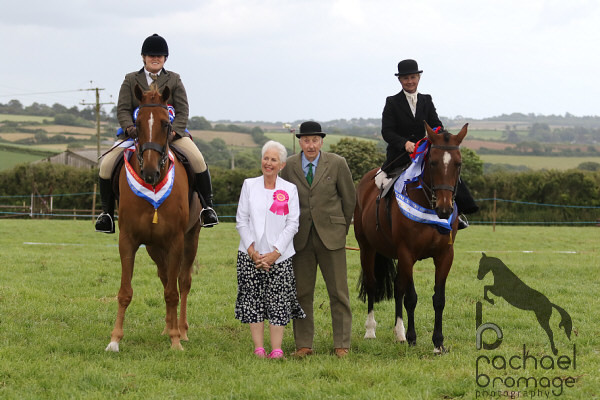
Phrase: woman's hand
(266, 261)
(409, 146)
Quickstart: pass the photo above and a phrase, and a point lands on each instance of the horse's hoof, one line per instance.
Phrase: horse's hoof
(440, 350)
(370, 334)
(177, 346)
(112, 346)
(184, 338)
(412, 343)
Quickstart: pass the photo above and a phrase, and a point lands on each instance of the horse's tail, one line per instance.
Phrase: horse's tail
(565, 320)
(383, 286)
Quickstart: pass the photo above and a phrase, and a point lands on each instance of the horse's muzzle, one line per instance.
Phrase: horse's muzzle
(444, 212)
(151, 177)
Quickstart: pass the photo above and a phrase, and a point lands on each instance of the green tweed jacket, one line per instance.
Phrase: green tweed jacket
(128, 102)
(328, 203)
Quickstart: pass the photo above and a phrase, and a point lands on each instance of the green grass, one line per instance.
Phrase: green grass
(288, 140)
(58, 287)
(538, 162)
(9, 159)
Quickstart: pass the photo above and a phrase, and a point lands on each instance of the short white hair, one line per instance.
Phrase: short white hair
(271, 144)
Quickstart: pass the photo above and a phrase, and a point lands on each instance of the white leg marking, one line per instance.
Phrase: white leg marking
(370, 324)
(439, 350)
(399, 330)
(446, 159)
(112, 346)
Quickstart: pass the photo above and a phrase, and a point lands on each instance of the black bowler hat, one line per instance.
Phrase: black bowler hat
(310, 128)
(407, 67)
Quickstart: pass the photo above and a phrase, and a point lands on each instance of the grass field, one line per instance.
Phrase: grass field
(9, 159)
(23, 118)
(538, 162)
(58, 287)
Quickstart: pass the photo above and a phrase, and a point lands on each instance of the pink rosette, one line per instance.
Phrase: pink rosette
(280, 203)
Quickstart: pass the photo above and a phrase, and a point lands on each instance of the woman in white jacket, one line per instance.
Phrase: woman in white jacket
(267, 219)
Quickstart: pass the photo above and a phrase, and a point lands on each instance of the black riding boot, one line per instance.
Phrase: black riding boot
(208, 216)
(465, 203)
(106, 221)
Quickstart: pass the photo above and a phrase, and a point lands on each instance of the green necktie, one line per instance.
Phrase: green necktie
(309, 176)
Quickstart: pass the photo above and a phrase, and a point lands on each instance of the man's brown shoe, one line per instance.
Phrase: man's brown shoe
(302, 352)
(341, 352)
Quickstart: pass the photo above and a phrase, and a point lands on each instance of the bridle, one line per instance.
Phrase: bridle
(433, 188)
(162, 150)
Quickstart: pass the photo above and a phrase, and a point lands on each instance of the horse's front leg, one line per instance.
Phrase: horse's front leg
(485, 295)
(399, 330)
(404, 289)
(127, 252)
(171, 291)
(442, 268)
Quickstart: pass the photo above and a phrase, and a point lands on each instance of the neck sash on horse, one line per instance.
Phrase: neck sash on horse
(410, 209)
(155, 195)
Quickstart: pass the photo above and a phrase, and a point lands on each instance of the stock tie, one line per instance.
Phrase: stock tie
(154, 77)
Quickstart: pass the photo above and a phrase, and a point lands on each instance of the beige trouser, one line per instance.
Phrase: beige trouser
(185, 145)
(333, 268)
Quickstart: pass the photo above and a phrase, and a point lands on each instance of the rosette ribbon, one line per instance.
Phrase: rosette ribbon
(280, 203)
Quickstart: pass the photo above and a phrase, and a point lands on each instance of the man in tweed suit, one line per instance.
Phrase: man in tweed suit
(327, 200)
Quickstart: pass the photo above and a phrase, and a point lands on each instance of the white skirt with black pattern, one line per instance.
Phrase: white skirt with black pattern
(266, 295)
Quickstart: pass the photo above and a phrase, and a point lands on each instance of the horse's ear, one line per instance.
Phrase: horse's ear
(430, 131)
(463, 132)
(483, 255)
(137, 90)
(166, 93)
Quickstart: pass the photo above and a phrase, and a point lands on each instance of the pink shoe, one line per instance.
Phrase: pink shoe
(276, 354)
(260, 352)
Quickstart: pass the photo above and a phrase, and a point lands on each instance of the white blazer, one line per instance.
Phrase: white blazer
(254, 218)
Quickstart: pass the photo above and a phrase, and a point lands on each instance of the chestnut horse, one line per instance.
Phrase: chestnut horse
(169, 231)
(384, 237)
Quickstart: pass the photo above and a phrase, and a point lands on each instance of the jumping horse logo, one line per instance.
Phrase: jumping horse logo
(512, 289)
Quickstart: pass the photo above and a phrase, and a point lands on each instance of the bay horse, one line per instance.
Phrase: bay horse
(384, 237)
(170, 230)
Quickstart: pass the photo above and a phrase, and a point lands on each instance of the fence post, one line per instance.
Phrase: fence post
(494, 213)
(94, 201)
(31, 208)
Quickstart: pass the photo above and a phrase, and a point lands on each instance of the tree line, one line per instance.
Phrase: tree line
(577, 188)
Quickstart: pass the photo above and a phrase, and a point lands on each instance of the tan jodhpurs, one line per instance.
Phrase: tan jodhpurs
(185, 145)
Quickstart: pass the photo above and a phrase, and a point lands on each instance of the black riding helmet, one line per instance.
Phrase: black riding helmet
(155, 45)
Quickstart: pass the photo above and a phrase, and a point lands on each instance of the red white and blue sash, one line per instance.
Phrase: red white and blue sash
(155, 195)
(409, 208)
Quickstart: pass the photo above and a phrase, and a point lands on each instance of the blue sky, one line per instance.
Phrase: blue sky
(307, 59)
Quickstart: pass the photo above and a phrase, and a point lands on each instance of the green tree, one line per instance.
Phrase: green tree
(361, 156)
(199, 123)
(472, 165)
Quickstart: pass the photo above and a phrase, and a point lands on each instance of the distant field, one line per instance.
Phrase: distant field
(23, 118)
(230, 138)
(288, 140)
(537, 163)
(9, 159)
(65, 129)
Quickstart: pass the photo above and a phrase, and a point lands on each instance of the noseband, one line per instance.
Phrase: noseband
(162, 150)
(433, 188)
